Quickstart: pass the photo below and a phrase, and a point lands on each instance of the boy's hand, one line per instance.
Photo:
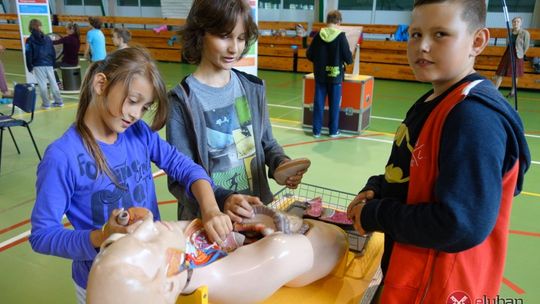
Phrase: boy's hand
(238, 206)
(217, 225)
(354, 210)
(292, 181)
(362, 197)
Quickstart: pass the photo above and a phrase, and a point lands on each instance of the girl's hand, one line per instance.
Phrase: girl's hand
(217, 225)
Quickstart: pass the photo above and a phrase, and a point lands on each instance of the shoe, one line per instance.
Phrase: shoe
(316, 135)
(57, 104)
(510, 95)
(45, 107)
(335, 134)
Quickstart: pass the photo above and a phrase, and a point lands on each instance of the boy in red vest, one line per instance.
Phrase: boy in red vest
(458, 159)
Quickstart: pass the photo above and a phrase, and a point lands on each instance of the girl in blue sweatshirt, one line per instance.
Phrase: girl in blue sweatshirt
(103, 163)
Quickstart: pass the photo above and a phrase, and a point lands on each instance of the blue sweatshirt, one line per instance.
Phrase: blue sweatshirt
(67, 184)
(39, 51)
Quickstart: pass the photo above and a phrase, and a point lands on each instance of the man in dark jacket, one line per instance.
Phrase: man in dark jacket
(329, 51)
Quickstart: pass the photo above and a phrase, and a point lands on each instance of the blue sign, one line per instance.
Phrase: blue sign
(33, 9)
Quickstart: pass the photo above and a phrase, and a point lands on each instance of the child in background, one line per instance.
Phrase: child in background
(219, 116)
(121, 37)
(95, 41)
(40, 59)
(71, 45)
(103, 163)
(458, 159)
(6, 93)
(329, 51)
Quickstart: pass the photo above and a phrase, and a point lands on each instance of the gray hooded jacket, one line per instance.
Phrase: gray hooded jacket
(186, 130)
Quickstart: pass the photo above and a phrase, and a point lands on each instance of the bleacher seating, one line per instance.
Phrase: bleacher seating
(279, 48)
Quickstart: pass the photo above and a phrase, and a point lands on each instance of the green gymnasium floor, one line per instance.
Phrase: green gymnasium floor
(343, 163)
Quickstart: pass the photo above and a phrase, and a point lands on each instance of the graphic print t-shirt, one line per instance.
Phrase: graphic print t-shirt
(229, 133)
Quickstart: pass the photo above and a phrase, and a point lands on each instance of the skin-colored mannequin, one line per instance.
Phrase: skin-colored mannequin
(133, 268)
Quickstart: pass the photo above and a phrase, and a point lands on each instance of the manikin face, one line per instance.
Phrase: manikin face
(140, 266)
(124, 111)
(221, 52)
(441, 48)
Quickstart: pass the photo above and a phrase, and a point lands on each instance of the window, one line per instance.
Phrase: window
(514, 6)
(153, 3)
(127, 2)
(275, 4)
(394, 5)
(357, 5)
(299, 4)
(82, 2)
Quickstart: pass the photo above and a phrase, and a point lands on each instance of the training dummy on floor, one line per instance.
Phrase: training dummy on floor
(152, 263)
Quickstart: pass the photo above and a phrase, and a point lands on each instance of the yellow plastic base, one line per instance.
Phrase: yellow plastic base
(199, 296)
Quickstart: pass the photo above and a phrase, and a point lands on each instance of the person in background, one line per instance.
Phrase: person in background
(6, 93)
(121, 38)
(40, 59)
(219, 115)
(520, 40)
(71, 45)
(95, 41)
(102, 163)
(329, 51)
(458, 159)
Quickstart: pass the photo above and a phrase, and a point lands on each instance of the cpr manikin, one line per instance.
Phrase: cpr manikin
(144, 266)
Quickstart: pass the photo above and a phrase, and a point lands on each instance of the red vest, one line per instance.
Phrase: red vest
(420, 275)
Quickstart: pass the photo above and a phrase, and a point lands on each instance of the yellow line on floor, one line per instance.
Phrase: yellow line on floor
(530, 193)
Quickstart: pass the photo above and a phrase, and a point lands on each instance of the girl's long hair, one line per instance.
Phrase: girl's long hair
(121, 66)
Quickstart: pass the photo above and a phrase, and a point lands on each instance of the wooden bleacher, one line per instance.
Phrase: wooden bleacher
(157, 43)
(380, 56)
(277, 52)
(388, 58)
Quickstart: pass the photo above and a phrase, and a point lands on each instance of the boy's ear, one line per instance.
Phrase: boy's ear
(99, 82)
(481, 39)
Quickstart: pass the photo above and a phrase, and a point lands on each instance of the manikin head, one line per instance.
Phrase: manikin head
(141, 267)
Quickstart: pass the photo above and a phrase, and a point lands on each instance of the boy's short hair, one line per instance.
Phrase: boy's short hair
(215, 18)
(333, 17)
(122, 33)
(474, 11)
(95, 22)
(34, 25)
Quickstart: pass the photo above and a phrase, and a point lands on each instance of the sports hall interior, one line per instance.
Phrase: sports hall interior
(342, 164)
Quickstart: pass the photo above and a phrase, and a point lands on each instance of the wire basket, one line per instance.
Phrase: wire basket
(332, 199)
